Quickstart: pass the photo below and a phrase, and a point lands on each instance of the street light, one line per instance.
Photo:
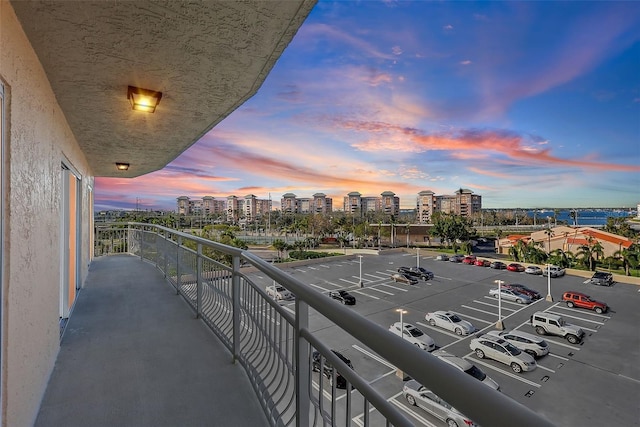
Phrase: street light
(418, 258)
(360, 282)
(401, 311)
(549, 297)
(499, 324)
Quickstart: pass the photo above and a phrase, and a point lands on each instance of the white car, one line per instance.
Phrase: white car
(450, 321)
(279, 292)
(442, 257)
(532, 344)
(417, 395)
(466, 367)
(533, 269)
(510, 295)
(414, 335)
(502, 351)
(553, 271)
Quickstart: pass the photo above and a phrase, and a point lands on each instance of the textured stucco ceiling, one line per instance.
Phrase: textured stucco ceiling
(206, 57)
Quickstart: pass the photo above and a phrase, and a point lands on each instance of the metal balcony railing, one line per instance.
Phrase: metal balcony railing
(276, 347)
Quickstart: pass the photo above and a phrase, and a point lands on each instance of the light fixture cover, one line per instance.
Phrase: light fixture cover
(122, 166)
(143, 99)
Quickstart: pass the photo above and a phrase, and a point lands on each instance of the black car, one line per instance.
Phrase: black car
(601, 278)
(522, 289)
(416, 272)
(341, 381)
(498, 265)
(343, 296)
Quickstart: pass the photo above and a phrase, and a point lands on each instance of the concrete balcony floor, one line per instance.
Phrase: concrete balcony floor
(133, 354)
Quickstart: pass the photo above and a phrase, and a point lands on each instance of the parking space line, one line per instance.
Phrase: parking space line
(364, 279)
(577, 317)
(334, 284)
(324, 266)
(311, 268)
(482, 311)
(558, 357)
(349, 282)
(545, 368)
(376, 277)
(357, 291)
(443, 278)
(504, 301)
(443, 331)
(406, 409)
(301, 271)
(379, 290)
(392, 287)
(373, 356)
(494, 306)
(502, 371)
(319, 287)
(602, 316)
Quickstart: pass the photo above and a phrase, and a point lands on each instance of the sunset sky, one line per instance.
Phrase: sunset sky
(529, 104)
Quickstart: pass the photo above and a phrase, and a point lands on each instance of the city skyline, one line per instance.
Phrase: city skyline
(521, 102)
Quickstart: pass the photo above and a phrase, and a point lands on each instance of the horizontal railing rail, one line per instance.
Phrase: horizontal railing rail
(276, 347)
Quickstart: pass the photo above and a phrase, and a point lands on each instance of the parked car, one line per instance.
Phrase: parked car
(450, 321)
(442, 257)
(482, 262)
(510, 295)
(503, 352)
(580, 300)
(522, 289)
(456, 258)
(552, 324)
(498, 265)
(279, 292)
(403, 278)
(467, 367)
(317, 361)
(601, 278)
(413, 335)
(533, 269)
(553, 271)
(418, 395)
(532, 344)
(423, 273)
(416, 272)
(343, 296)
(469, 259)
(515, 267)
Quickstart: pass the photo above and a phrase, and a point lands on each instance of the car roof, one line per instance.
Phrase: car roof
(577, 293)
(452, 359)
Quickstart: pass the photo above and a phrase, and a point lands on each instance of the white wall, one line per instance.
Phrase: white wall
(38, 140)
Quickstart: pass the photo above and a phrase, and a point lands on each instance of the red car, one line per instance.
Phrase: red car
(515, 267)
(580, 300)
(482, 263)
(469, 260)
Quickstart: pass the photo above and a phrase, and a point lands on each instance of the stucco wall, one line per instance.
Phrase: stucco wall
(38, 140)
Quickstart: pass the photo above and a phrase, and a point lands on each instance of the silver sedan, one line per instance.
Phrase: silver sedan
(450, 321)
(510, 295)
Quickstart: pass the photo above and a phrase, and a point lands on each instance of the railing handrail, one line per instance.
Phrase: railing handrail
(473, 398)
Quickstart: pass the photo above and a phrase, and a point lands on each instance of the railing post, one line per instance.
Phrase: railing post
(178, 269)
(235, 298)
(165, 253)
(199, 281)
(301, 369)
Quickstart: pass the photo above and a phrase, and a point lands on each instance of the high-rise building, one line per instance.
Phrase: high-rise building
(463, 203)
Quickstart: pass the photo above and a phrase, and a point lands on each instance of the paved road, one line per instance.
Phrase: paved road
(594, 383)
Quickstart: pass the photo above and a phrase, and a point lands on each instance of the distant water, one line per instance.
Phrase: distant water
(585, 217)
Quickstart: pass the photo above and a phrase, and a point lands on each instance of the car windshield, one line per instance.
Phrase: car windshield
(415, 332)
(454, 318)
(343, 293)
(476, 373)
(512, 349)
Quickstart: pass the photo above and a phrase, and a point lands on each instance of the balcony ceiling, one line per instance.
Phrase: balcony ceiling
(206, 57)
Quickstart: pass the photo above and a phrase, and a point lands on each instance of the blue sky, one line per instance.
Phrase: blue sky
(529, 104)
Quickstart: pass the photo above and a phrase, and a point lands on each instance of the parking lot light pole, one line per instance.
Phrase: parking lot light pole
(549, 297)
(399, 372)
(499, 323)
(418, 257)
(360, 282)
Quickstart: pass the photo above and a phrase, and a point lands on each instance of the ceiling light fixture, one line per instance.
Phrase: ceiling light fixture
(143, 99)
(122, 166)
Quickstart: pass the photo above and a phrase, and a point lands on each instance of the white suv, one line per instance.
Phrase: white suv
(552, 324)
(278, 292)
(528, 343)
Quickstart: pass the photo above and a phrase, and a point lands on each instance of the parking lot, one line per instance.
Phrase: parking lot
(595, 382)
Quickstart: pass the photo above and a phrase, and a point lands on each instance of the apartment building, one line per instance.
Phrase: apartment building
(463, 202)
(208, 205)
(388, 203)
(246, 209)
(318, 204)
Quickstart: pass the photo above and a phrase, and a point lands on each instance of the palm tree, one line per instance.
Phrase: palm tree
(629, 257)
(590, 252)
